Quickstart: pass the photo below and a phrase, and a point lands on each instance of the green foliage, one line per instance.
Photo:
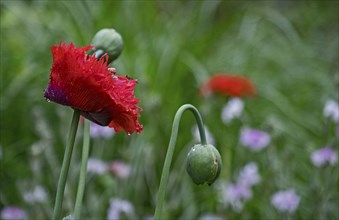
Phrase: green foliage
(289, 49)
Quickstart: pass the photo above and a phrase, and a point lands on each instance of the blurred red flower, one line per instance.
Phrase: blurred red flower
(82, 82)
(226, 84)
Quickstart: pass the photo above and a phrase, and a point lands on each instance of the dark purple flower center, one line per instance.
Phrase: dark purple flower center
(53, 93)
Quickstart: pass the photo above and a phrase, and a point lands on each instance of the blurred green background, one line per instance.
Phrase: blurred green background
(289, 49)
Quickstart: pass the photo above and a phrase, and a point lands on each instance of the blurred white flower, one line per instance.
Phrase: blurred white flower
(119, 206)
(96, 166)
(324, 155)
(331, 110)
(231, 110)
(209, 216)
(249, 175)
(209, 136)
(37, 195)
(97, 131)
(254, 139)
(120, 169)
(285, 201)
(150, 217)
(13, 213)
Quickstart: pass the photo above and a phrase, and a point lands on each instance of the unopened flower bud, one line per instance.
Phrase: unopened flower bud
(109, 41)
(203, 164)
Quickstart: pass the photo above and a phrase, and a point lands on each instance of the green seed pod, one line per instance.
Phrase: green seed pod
(109, 41)
(203, 164)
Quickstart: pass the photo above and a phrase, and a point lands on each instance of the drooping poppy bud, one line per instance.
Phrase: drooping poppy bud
(203, 164)
(109, 41)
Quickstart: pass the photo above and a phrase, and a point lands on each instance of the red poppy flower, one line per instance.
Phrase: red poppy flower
(226, 84)
(82, 82)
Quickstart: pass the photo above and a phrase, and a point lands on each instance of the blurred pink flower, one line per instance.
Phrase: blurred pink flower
(120, 169)
(231, 110)
(254, 139)
(97, 131)
(285, 201)
(119, 206)
(236, 195)
(249, 175)
(331, 110)
(324, 155)
(13, 213)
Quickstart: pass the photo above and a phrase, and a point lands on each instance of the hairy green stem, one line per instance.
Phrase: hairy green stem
(170, 151)
(83, 171)
(65, 165)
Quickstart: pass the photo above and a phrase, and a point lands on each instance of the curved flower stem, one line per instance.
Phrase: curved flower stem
(170, 151)
(83, 171)
(65, 165)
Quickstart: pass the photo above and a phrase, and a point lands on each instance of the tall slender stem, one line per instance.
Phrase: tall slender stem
(227, 156)
(170, 151)
(83, 171)
(65, 165)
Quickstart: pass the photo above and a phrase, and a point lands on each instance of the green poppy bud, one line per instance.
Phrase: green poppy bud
(109, 41)
(203, 164)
